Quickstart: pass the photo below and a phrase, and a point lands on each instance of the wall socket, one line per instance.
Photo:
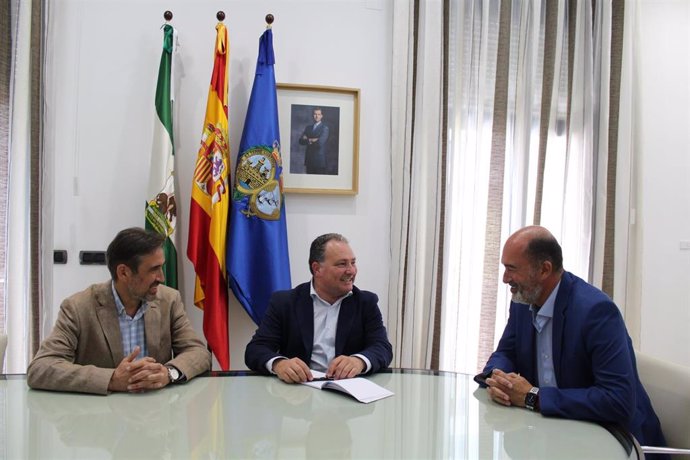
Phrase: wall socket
(92, 257)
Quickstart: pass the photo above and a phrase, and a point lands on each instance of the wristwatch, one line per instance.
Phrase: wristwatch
(173, 374)
(532, 399)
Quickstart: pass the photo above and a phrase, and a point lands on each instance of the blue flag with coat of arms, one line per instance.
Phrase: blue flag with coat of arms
(257, 251)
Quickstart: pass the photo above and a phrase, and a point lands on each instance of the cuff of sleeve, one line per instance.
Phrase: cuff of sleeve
(100, 381)
(269, 364)
(366, 362)
(547, 400)
(481, 378)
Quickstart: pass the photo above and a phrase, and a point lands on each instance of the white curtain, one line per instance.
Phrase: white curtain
(473, 45)
(416, 165)
(627, 295)
(18, 300)
(528, 144)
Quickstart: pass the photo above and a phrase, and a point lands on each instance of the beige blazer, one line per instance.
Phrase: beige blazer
(85, 345)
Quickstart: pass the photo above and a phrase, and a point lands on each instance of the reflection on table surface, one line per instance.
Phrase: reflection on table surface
(440, 415)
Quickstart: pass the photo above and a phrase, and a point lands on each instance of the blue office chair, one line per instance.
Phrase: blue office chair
(668, 386)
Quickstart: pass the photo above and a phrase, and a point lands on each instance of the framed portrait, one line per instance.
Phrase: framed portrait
(319, 132)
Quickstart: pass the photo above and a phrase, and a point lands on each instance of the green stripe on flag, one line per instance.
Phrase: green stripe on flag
(161, 205)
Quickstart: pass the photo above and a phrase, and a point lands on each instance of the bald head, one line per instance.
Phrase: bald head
(538, 245)
(533, 263)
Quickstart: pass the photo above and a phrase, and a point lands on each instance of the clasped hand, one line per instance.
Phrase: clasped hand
(296, 371)
(508, 389)
(138, 376)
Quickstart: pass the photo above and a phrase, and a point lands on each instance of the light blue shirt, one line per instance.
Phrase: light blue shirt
(325, 325)
(542, 322)
(131, 329)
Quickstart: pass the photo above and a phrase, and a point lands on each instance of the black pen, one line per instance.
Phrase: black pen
(321, 379)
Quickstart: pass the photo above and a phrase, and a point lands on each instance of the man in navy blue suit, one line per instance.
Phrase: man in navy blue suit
(327, 325)
(315, 136)
(565, 350)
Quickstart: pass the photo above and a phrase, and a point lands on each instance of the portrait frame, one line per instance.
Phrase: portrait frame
(339, 109)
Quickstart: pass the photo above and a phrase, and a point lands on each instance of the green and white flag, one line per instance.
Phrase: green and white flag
(161, 208)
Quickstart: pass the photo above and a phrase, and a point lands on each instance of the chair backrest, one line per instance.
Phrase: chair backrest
(668, 386)
(3, 346)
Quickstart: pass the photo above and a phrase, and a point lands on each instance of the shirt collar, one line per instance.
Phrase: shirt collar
(313, 294)
(121, 307)
(547, 309)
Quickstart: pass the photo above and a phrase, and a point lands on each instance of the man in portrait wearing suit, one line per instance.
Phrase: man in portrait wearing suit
(315, 136)
(328, 324)
(127, 334)
(565, 351)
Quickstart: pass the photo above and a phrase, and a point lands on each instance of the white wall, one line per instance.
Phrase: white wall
(663, 148)
(102, 62)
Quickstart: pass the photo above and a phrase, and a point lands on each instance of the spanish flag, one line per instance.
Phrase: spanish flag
(208, 213)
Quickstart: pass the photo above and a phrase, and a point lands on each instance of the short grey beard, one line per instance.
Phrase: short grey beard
(530, 299)
(143, 298)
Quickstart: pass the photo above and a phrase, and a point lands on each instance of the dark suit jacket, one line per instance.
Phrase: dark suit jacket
(315, 154)
(593, 360)
(287, 329)
(85, 345)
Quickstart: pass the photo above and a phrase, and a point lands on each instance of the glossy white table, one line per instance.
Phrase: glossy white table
(441, 415)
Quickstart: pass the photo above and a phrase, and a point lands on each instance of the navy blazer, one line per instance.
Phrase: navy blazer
(287, 329)
(315, 154)
(593, 360)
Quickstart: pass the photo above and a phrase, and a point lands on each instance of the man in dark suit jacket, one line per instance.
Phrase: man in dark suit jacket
(88, 351)
(587, 369)
(327, 325)
(315, 136)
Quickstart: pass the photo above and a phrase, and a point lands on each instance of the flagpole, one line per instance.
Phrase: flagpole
(168, 16)
(220, 16)
(269, 20)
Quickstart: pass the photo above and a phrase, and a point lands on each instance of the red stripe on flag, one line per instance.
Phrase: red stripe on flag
(218, 77)
(213, 282)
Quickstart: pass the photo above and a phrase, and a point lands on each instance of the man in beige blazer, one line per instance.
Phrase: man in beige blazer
(127, 334)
